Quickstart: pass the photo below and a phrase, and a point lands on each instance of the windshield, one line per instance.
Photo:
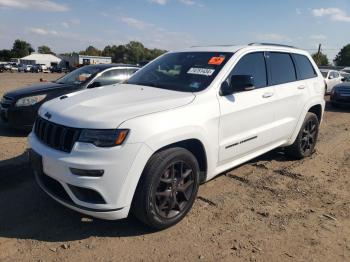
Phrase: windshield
(79, 76)
(186, 72)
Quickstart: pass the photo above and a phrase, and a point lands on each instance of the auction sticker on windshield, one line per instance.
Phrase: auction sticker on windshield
(216, 60)
(201, 71)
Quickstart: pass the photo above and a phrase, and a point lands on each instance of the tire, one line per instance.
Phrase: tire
(304, 144)
(167, 189)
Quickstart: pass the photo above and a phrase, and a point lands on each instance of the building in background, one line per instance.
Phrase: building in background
(76, 60)
(46, 59)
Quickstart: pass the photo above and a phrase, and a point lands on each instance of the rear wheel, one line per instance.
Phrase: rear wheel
(167, 189)
(304, 144)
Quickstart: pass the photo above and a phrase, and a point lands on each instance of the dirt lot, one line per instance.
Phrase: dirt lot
(270, 209)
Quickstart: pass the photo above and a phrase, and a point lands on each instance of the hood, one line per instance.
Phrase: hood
(109, 106)
(36, 89)
(344, 84)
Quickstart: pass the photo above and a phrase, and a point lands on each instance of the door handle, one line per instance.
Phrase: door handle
(267, 95)
(301, 87)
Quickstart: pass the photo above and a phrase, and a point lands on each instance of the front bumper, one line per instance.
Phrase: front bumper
(122, 167)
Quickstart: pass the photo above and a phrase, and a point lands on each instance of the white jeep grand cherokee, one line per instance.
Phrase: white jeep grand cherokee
(146, 145)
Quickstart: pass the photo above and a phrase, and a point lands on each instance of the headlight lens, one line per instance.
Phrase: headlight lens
(104, 138)
(30, 100)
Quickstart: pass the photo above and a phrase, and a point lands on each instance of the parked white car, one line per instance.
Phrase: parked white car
(24, 68)
(146, 145)
(332, 78)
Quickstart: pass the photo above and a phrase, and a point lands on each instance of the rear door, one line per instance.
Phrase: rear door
(291, 93)
(247, 117)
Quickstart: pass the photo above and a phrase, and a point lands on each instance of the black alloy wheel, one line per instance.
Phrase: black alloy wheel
(174, 189)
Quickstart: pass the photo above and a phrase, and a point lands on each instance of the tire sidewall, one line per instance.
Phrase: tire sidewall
(309, 117)
(190, 160)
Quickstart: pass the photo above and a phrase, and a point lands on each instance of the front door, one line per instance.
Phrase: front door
(247, 118)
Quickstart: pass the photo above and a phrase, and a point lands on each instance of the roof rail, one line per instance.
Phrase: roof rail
(271, 44)
(213, 45)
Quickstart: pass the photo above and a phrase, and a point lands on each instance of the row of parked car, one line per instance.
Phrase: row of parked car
(36, 68)
(19, 108)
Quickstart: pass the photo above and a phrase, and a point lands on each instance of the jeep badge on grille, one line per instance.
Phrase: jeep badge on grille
(47, 115)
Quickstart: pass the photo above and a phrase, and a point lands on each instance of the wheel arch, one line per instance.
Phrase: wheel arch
(315, 106)
(196, 147)
(317, 110)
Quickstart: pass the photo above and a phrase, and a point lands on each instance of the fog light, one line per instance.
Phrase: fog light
(83, 172)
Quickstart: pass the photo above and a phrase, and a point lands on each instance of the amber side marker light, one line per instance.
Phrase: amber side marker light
(121, 137)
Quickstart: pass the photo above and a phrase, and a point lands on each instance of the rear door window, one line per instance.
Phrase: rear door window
(305, 70)
(282, 68)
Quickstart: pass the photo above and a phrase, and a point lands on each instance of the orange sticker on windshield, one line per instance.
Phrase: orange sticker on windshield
(216, 60)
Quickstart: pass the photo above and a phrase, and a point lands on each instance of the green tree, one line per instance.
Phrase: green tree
(91, 50)
(21, 48)
(320, 59)
(5, 55)
(44, 50)
(135, 52)
(343, 57)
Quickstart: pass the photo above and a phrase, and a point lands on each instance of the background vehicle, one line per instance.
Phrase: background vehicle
(2, 68)
(35, 68)
(346, 76)
(24, 68)
(332, 78)
(180, 120)
(56, 69)
(19, 108)
(340, 95)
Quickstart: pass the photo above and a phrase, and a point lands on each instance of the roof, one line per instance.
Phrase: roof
(252, 46)
(106, 66)
(36, 56)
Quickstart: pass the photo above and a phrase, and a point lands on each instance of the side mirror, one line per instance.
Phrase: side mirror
(330, 77)
(343, 79)
(226, 89)
(238, 83)
(94, 84)
(241, 83)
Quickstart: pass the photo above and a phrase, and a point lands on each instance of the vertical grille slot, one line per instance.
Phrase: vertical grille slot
(56, 136)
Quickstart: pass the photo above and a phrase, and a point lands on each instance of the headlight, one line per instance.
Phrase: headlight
(103, 138)
(30, 100)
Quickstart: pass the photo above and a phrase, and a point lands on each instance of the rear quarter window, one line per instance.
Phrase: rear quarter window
(305, 70)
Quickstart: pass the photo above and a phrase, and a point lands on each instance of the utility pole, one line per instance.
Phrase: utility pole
(318, 54)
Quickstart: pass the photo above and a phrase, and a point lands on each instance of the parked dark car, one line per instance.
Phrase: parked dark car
(19, 108)
(35, 68)
(56, 69)
(340, 95)
(2, 68)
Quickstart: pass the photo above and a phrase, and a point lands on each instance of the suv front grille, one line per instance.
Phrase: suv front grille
(56, 136)
(343, 90)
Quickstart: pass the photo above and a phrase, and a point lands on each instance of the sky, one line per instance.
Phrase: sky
(68, 26)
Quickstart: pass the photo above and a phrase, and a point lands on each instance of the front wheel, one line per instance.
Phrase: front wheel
(304, 144)
(167, 189)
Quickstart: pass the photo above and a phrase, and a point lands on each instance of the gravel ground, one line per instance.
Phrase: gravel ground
(270, 209)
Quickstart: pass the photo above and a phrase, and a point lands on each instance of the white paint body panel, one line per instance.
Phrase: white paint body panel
(157, 118)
